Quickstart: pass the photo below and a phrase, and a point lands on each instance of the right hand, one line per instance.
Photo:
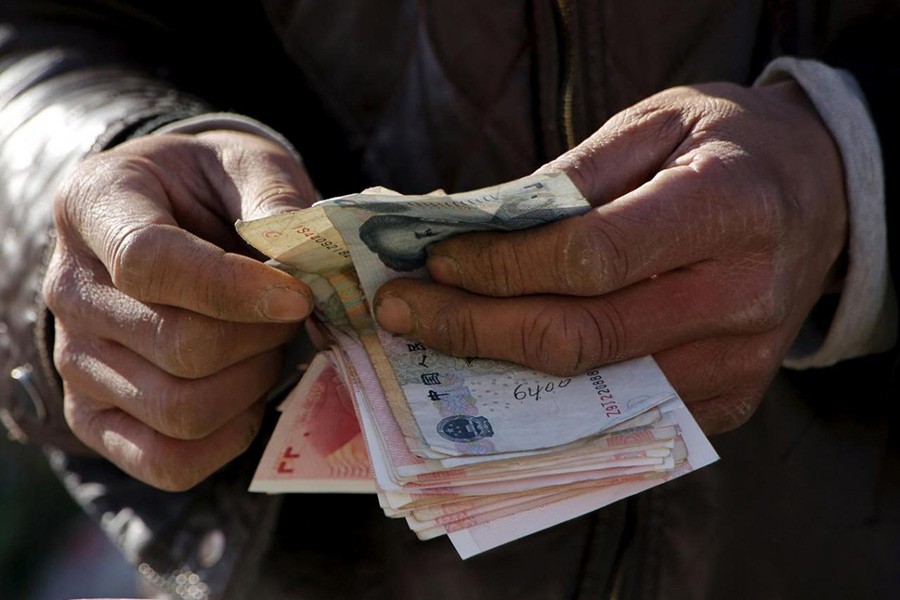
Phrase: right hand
(720, 220)
(166, 335)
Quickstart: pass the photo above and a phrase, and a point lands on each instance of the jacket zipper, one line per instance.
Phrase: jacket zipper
(568, 92)
(567, 118)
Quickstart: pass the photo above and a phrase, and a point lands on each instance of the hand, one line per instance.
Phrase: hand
(166, 335)
(719, 222)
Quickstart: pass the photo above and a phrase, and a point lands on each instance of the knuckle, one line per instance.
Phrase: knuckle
(178, 411)
(78, 415)
(602, 328)
(133, 265)
(59, 286)
(719, 183)
(549, 343)
(745, 373)
(765, 301)
(174, 469)
(596, 257)
(274, 193)
(170, 472)
(65, 356)
(715, 170)
(771, 208)
(772, 306)
(758, 365)
(93, 182)
(454, 328)
(657, 118)
(570, 341)
(746, 366)
(505, 275)
(732, 410)
(78, 358)
(190, 346)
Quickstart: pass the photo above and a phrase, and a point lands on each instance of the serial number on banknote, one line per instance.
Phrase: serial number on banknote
(535, 391)
(603, 393)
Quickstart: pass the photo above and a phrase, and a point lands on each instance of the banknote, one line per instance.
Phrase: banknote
(490, 534)
(655, 443)
(317, 445)
(403, 466)
(477, 511)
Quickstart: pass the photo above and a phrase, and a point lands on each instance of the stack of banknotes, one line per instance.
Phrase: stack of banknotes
(481, 450)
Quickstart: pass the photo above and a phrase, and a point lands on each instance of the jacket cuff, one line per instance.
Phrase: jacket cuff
(865, 319)
(229, 122)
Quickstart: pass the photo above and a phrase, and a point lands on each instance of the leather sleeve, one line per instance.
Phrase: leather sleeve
(74, 80)
(63, 94)
(78, 77)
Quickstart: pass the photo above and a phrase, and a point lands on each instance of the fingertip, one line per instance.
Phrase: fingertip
(283, 303)
(443, 269)
(393, 313)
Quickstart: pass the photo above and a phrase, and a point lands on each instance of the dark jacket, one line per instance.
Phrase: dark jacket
(453, 95)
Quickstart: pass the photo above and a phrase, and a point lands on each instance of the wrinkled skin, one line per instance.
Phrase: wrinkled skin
(166, 335)
(719, 221)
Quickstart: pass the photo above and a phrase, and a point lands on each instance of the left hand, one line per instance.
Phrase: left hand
(166, 335)
(719, 221)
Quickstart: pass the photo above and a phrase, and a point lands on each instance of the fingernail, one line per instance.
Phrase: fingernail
(443, 269)
(394, 314)
(285, 304)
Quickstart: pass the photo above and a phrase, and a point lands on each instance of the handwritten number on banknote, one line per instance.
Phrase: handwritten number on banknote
(535, 390)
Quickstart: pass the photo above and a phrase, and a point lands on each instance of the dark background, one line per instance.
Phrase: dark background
(50, 550)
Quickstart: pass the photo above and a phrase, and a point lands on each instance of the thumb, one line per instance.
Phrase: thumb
(628, 150)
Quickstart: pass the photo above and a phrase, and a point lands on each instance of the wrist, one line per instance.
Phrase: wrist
(864, 320)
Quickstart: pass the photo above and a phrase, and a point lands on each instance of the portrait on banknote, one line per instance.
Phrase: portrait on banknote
(400, 241)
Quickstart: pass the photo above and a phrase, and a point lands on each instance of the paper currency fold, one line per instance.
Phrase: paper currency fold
(481, 450)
